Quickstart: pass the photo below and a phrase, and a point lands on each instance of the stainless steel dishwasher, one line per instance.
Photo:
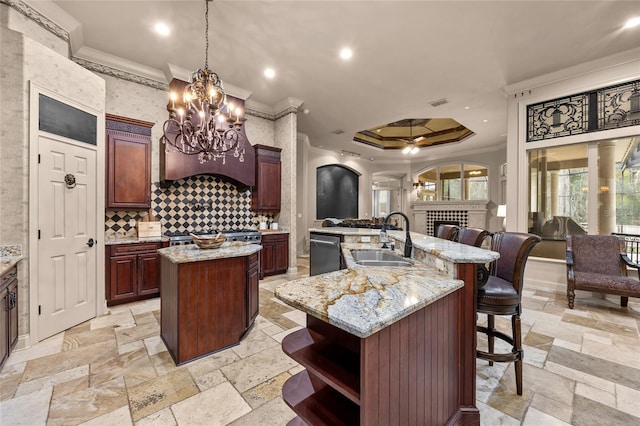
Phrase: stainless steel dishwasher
(324, 253)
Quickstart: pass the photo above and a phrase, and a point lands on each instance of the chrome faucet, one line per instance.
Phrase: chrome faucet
(408, 244)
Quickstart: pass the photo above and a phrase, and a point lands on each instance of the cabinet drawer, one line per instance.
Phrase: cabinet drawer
(124, 249)
(253, 259)
(8, 276)
(270, 238)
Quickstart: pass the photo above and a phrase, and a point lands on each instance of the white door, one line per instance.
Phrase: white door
(67, 226)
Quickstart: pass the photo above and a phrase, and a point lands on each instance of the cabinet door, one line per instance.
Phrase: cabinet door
(128, 171)
(123, 277)
(148, 274)
(12, 301)
(281, 256)
(253, 289)
(267, 261)
(268, 183)
(4, 328)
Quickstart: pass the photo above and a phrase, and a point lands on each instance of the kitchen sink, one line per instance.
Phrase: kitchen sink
(379, 258)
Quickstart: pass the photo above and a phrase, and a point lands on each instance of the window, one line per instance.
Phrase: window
(583, 188)
(454, 182)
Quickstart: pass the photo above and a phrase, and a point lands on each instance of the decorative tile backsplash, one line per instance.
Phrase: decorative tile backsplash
(459, 216)
(193, 204)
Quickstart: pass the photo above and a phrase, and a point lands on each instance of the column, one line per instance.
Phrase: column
(286, 131)
(554, 192)
(606, 188)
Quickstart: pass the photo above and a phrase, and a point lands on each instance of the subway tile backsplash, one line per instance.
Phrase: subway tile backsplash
(195, 203)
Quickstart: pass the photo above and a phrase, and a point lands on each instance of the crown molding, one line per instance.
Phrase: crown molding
(36, 16)
(123, 75)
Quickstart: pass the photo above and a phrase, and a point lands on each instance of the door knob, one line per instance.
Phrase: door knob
(91, 242)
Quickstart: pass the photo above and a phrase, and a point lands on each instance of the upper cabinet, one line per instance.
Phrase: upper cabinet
(128, 171)
(266, 192)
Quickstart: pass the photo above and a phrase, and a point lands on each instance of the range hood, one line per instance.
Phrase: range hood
(175, 165)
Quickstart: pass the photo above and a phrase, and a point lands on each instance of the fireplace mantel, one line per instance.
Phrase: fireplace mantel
(467, 213)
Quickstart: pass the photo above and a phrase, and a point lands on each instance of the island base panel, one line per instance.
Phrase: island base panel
(410, 373)
(317, 403)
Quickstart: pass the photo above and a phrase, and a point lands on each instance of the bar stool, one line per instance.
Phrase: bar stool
(472, 236)
(447, 232)
(502, 295)
(475, 237)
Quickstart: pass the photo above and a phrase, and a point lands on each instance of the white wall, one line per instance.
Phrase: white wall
(540, 272)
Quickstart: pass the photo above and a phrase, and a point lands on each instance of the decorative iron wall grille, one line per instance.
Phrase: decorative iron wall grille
(603, 109)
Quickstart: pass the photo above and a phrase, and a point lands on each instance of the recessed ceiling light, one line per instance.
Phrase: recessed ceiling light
(162, 29)
(485, 121)
(633, 22)
(269, 72)
(467, 107)
(346, 53)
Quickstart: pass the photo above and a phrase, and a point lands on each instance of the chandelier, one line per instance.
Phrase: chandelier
(202, 123)
(411, 147)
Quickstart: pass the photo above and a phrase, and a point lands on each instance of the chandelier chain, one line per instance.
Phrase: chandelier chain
(206, 34)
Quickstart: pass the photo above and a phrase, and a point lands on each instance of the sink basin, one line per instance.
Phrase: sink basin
(379, 258)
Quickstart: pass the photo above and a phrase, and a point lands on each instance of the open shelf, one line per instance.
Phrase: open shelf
(316, 403)
(330, 362)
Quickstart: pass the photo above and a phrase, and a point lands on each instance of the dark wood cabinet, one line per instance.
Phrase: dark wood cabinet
(253, 290)
(274, 257)
(128, 169)
(266, 192)
(207, 305)
(133, 272)
(8, 313)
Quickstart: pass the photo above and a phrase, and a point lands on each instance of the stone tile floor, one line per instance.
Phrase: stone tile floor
(582, 367)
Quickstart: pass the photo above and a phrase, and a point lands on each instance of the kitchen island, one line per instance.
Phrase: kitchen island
(209, 297)
(388, 345)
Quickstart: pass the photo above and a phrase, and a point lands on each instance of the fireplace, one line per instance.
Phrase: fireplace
(428, 214)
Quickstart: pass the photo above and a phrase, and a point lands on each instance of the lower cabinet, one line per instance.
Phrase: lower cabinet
(132, 272)
(8, 313)
(252, 297)
(274, 256)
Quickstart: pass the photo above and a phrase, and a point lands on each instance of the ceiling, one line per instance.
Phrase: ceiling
(406, 55)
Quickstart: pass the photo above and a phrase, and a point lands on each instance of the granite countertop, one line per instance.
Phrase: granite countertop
(10, 255)
(192, 253)
(273, 231)
(445, 249)
(342, 230)
(363, 300)
(118, 239)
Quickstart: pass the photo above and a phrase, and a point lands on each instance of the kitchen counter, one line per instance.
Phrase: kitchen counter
(10, 255)
(342, 230)
(192, 253)
(210, 297)
(362, 300)
(381, 342)
(272, 231)
(116, 239)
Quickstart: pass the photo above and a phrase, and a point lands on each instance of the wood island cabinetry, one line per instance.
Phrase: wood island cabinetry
(408, 361)
(128, 171)
(274, 258)
(265, 196)
(132, 272)
(208, 304)
(8, 313)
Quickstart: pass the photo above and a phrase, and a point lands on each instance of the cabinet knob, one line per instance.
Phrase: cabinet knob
(91, 242)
